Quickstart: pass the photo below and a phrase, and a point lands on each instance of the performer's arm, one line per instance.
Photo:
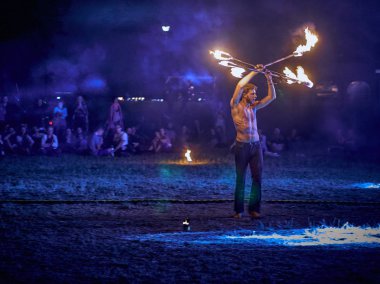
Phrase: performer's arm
(271, 92)
(239, 88)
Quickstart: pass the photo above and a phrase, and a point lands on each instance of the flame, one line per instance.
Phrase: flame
(227, 63)
(237, 72)
(311, 40)
(187, 155)
(221, 55)
(300, 78)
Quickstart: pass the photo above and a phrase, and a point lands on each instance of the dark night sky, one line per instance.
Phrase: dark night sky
(66, 44)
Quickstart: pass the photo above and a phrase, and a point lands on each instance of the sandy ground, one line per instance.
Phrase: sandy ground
(103, 243)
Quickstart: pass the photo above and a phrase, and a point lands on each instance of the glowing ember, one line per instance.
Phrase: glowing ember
(300, 78)
(237, 72)
(221, 55)
(187, 155)
(311, 40)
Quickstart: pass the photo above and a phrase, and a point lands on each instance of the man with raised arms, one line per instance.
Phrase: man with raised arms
(247, 146)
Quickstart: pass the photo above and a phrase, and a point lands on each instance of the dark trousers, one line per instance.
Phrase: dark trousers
(252, 155)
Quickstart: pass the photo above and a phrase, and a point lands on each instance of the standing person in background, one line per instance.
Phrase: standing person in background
(115, 117)
(80, 115)
(247, 147)
(39, 114)
(59, 120)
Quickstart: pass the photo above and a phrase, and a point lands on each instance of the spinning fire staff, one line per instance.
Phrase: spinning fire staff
(244, 105)
(238, 66)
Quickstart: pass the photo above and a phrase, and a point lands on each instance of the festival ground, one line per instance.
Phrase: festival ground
(58, 240)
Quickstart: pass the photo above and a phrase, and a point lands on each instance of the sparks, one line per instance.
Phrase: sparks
(300, 78)
(311, 40)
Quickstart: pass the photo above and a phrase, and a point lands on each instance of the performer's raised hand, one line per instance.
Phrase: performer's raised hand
(268, 75)
(259, 67)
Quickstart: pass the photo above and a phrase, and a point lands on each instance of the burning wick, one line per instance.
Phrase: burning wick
(187, 155)
(220, 55)
(186, 224)
(311, 40)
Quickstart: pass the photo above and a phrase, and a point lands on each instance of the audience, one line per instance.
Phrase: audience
(59, 138)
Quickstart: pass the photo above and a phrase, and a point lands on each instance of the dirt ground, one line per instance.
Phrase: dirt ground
(93, 242)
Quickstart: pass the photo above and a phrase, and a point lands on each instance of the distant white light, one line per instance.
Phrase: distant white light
(58, 98)
(120, 98)
(368, 185)
(165, 28)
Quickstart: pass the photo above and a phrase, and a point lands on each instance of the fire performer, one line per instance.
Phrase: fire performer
(247, 146)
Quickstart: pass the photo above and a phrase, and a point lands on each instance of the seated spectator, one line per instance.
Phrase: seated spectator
(120, 141)
(338, 142)
(96, 143)
(171, 133)
(37, 135)
(184, 137)
(213, 138)
(161, 142)
(220, 133)
(24, 141)
(293, 139)
(80, 142)
(69, 143)
(220, 127)
(351, 141)
(264, 147)
(277, 141)
(155, 145)
(49, 143)
(166, 144)
(10, 141)
(134, 144)
(2, 152)
(343, 143)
